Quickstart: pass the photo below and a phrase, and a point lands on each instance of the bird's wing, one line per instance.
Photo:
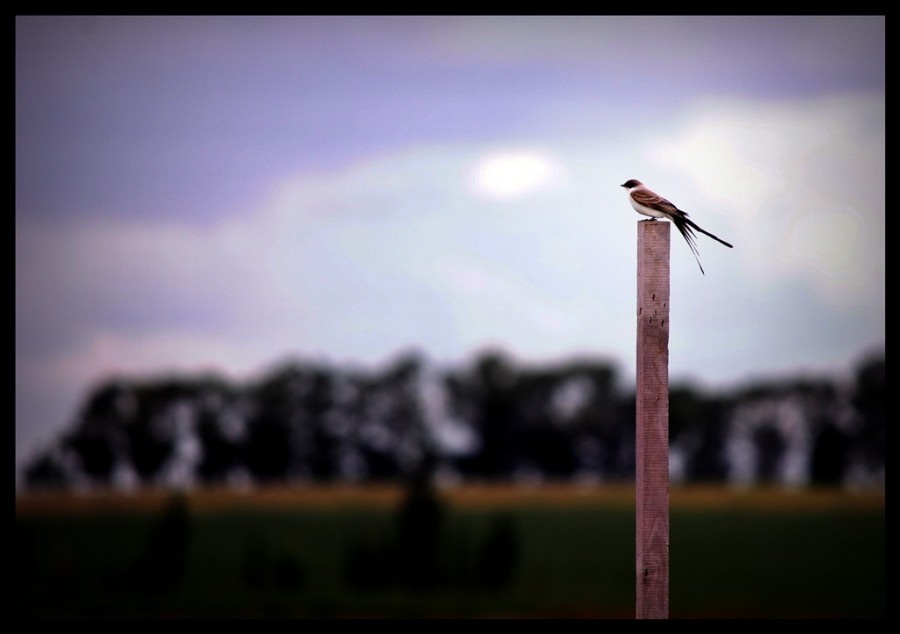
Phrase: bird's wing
(649, 199)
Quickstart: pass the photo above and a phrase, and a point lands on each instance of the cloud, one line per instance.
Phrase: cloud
(801, 182)
(366, 259)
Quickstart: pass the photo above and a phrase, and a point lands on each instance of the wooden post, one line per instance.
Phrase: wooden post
(652, 424)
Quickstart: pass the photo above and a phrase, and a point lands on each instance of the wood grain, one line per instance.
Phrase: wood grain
(652, 422)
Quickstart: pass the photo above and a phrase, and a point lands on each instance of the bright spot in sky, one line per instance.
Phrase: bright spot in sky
(510, 174)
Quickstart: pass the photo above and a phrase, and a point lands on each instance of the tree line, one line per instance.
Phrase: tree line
(491, 419)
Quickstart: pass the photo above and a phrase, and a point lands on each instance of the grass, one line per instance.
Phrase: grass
(519, 553)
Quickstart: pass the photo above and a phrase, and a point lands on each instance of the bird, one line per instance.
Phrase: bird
(655, 206)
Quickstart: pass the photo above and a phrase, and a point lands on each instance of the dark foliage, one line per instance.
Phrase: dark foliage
(489, 420)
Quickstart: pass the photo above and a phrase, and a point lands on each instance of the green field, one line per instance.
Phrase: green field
(494, 555)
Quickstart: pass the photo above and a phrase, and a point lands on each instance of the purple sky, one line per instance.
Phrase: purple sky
(225, 192)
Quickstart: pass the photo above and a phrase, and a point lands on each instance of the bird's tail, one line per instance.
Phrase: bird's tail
(704, 231)
(684, 226)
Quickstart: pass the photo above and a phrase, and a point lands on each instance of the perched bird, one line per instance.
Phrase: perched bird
(647, 203)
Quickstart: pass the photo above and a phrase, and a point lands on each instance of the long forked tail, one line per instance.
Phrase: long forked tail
(704, 231)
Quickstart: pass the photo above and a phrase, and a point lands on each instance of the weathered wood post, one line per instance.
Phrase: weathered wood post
(652, 421)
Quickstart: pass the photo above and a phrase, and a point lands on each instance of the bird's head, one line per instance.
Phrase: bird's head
(631, 183)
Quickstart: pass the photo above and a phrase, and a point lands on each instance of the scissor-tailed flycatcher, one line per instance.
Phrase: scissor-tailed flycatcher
(655, 206)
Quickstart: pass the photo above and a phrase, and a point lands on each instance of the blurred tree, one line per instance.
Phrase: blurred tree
(869, 400)
(544, 428)
(490, 388)
(96, 453)
(625, 459)
(267, 451)
(220, 454)
(96, 440)
(829, 455)
(391, 428)
(151, 435)
(316, 422)
(604, 421)
(770, 447)
(697, 425)
(46, 472)
(286, 432)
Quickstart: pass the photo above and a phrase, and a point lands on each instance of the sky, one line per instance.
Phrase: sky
(221, 194)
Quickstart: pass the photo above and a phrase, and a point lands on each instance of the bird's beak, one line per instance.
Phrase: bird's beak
(622, 185)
